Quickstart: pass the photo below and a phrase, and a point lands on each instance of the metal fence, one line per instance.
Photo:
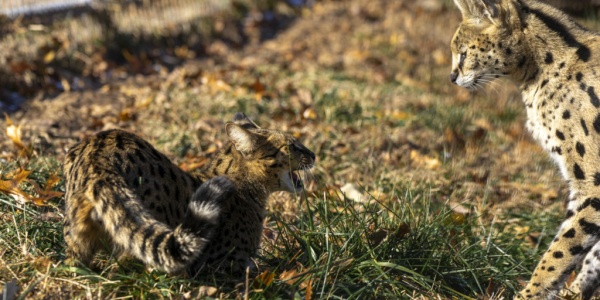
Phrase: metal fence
(138, 15)
(15, 8)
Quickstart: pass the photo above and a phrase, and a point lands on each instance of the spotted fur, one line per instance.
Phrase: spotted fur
(555, 62)
(123, 193)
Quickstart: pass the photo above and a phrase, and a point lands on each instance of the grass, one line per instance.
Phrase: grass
(421, 190)
(396, 246)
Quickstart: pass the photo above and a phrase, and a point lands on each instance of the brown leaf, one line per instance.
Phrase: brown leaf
(289, 276)
(378, 236)
(207, 291)
(14, 134)
(309, 114)
(455, 219)
(264, 279)
(454, 138)
(126, 114)
(65, 84)
(46, 193)
(52, 181)
(292, 276)
(533, 238)
(20, 67)
(193, 164)
(49, 57)
(570, 279)
(258, 87)
(424, 161)
(308, 289)
(11, 186)
(402, 230)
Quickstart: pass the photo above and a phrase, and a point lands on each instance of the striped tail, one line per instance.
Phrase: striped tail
(138, 233)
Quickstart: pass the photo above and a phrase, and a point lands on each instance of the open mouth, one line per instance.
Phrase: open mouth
(296, 180)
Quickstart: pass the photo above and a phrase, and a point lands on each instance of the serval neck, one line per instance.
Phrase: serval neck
(231, 163)
(554, 42)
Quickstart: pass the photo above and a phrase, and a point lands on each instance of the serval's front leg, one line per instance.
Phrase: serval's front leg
(588, 280)
(577, 235)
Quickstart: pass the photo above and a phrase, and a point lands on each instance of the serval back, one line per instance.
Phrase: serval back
(555, 62)
(123, 193)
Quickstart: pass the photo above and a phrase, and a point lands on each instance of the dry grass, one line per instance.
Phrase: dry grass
(421, 189)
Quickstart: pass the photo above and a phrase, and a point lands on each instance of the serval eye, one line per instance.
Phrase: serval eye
(462, 58)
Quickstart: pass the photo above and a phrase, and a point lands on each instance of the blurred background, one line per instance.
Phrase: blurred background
(354, 79)
(51, 46)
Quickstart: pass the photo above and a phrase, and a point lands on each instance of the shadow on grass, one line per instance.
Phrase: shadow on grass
(120, 52)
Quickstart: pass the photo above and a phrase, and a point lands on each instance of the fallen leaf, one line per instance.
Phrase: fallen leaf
(289, 276)
(264, 279)
(378, 236)
(352, 193)
(455, 219)
(520, 231)
(41, 263)
(425, 161)
(258, 87)
(454, 138)
(403, 230)
(211, 149)
(20, 67)
(308, 289)
(399, 116)
(571, 278)
(492, 287)
(533, 238)
(14, 134)
(65, 84)
(49, 57)
(46, 193)
(207, 291)
(309, 114)
(193, 163)
(126, 114)
(11, 186)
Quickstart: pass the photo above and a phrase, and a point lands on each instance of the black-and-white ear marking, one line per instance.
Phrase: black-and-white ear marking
(242, 139)
(241, 119)
(479, 12)
(491, 9)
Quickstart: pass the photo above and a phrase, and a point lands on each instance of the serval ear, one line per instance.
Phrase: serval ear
(242, 120)
(243, 140)
(480, 13)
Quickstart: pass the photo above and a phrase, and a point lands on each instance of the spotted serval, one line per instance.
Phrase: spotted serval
(556, 64)
(123, 193)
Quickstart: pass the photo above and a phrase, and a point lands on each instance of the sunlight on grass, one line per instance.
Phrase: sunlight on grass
(395, 246)
(446, 196)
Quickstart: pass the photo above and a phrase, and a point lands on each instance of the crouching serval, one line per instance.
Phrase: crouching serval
(123, 193)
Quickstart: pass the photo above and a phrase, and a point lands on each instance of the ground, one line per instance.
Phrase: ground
(420, 190)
